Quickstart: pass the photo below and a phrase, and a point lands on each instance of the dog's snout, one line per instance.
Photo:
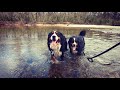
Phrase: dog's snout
(54, 38)
(74, 45)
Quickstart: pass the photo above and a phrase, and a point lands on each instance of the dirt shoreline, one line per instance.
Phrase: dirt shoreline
(17, 25)
(77, 26)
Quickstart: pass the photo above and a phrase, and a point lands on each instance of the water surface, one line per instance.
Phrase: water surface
(24, 52)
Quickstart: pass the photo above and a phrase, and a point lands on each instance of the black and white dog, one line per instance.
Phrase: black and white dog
(57, 45)
(77, 44)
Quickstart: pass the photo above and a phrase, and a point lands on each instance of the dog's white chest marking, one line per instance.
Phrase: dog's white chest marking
(56, 48)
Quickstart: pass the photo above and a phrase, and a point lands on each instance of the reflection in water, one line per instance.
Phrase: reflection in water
(24, 52)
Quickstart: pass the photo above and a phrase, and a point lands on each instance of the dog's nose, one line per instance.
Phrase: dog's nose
(73, 45)
(54, 38)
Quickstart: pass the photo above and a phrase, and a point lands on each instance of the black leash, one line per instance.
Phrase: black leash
(91, 58)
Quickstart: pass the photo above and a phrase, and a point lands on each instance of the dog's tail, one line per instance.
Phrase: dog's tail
(82, 33)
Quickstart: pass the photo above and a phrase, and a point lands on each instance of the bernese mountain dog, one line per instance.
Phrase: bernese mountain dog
(57, 45)
(77, 44)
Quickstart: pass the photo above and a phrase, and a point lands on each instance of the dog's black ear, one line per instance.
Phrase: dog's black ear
(48, 40)
(81, 48)
(69, 42)
(82, 33)
(49, 35)
(81, 45)
(60, 34)
(64, 44)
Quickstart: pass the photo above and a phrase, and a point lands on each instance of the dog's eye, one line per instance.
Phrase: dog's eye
(56, 32)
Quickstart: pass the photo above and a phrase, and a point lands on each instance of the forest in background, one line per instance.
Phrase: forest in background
(98, 18)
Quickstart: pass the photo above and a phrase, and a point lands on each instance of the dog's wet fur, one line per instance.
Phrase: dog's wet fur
(57, 45)
(77, 43)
